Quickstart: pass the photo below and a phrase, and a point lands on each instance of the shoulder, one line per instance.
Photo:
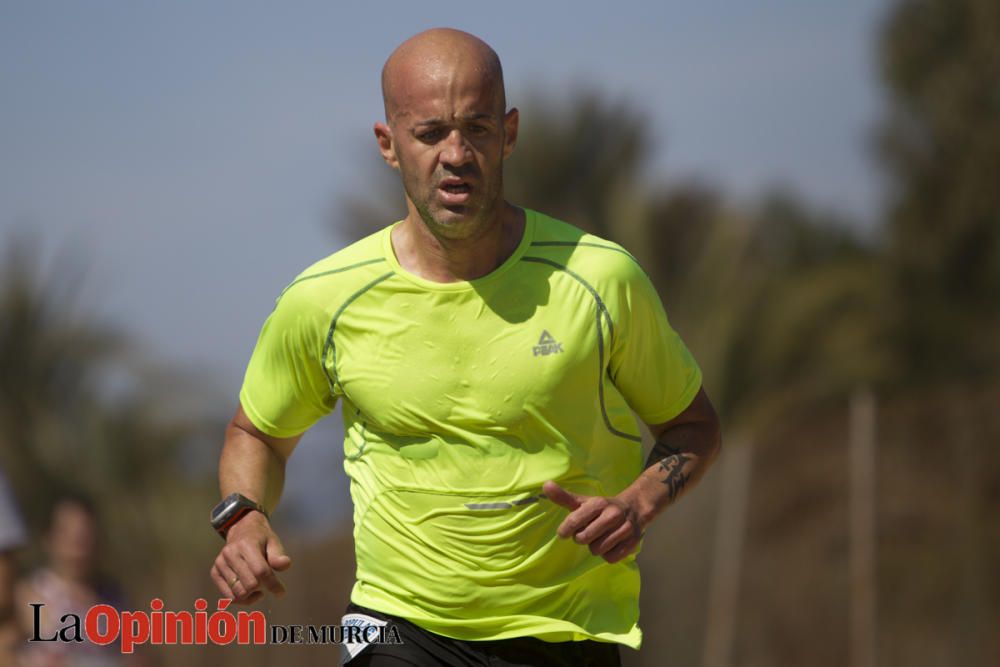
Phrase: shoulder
(338, 275)
(591, 257)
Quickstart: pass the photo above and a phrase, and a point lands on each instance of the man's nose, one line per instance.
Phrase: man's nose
(456, 150)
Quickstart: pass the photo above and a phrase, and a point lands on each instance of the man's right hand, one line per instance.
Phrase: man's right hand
(246, 566)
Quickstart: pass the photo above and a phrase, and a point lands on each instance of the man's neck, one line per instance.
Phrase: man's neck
(443, 260)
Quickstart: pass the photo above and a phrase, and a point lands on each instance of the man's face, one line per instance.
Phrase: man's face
(448, 136)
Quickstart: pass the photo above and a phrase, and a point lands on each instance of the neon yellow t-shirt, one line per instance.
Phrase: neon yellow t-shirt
(459, 401)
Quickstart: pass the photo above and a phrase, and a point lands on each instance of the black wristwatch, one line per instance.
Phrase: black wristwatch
(232, 508)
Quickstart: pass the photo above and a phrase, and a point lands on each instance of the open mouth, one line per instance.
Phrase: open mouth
(454, 191)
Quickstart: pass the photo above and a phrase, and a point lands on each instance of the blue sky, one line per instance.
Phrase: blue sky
(195, 152)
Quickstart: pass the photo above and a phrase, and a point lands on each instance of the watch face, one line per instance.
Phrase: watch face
(230, 510)
(224, 509)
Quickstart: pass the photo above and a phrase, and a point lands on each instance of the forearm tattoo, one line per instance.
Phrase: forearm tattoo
(670, 458)
(674, 478)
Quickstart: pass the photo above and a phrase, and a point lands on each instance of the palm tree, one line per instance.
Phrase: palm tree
(82, 410)
(940, 146)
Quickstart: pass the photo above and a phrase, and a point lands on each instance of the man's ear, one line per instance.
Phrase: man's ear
(510, 121)
(383, 134)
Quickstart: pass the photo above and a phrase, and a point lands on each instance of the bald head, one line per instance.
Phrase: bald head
(434, 54)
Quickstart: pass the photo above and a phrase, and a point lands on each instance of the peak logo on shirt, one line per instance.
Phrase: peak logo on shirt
(547, 345)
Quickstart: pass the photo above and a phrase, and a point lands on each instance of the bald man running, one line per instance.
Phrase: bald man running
(488, 360)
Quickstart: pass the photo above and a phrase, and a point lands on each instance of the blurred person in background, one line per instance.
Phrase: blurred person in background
(70, 582)
(489, 359)
(12, 538)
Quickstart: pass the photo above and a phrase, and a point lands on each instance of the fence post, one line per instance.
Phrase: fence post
(727, 561)
(861, 476)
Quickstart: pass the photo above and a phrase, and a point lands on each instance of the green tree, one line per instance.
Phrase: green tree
(780, 302)
(83, 410)
(940, 144)
(581, 159)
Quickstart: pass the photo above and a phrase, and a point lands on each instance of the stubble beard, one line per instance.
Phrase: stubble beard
(442, 223)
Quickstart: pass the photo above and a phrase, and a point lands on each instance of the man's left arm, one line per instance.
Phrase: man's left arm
(612, 526)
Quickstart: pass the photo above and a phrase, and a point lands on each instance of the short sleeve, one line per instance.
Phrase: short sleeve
(286, 390)
(650, 365)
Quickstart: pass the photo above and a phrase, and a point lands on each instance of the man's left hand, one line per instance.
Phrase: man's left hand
(609, 526)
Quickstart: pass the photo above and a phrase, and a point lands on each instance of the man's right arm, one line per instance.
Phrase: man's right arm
(253, 464)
